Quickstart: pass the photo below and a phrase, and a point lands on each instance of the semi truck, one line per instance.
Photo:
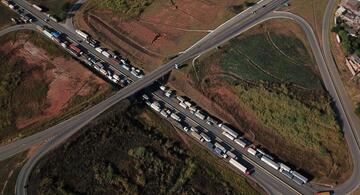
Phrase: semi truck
(200, 115)
(228, 135)
(239, 166)
(82, 34)
(205, 136)
(197, 136)
(106, 54)
(299, 176)
(231, 154)
(228, 130)
(240, 142)
(175, 117)
(37, 7)
(99, 49)
(156, 106)
(221, 147)
(251, 151)
(47, 33)
(75, 49)
(270, 162)
(183, 105)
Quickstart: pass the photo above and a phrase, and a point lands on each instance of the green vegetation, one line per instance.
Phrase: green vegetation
(269, 83)
(239, 8)
(128, 9)
(57, 8)
(122, 153)
(280, 58)
(8, 172)
(350, 44)
(290, 118)
(6, 14)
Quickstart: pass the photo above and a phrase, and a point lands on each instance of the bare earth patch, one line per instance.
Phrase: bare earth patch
(163, 29)
(65, 77)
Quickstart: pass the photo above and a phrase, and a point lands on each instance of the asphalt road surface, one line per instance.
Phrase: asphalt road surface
(271, 185)
(48, 146)
(351, 123)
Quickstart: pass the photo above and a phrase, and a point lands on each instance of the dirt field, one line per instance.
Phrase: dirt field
(223, 101)
(40, 87)
(163, 29)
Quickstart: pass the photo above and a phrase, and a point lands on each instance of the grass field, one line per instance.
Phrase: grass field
(122, 153)
(291, 119)
(267, 80)
(56, 8)
(279, 59)
(6, 14)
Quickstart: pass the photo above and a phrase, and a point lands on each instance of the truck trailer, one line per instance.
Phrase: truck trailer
(299, 176)
(239, 166)
(37, 7)
(175, 117)
(228, 135)
(197, 136)
(228, 130)
(156, 106)
(270, 162)
(240, 142)
(82, 34)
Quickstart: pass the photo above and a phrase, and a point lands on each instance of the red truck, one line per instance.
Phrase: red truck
(75, 49)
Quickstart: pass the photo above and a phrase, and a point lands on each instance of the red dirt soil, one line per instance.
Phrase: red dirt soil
(66, 77)
(162, 29)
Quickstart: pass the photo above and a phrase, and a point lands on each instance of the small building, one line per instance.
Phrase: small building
(340, 11)
(353, 63)
(353, 5)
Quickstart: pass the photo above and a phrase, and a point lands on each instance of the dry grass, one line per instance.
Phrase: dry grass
(311, 10)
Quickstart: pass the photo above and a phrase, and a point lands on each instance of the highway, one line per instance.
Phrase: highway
(351, 123)
(269, 183)
(78, 125)
(17, 28)
(13, 148)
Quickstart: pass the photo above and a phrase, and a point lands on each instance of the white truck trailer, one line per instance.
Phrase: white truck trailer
(200, 115)
(251, 151)
(197, 136)
(239, 166)
(82, 34)
(240, 142)
(228, 130)
(270, 162)
(228, 135)
(37, 7)
(175, 117)
(155, 106)
(205, 136)
(106, 54)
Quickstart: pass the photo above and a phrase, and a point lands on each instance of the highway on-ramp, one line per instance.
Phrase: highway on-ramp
(198, 48)
(351, 124)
